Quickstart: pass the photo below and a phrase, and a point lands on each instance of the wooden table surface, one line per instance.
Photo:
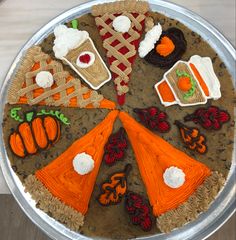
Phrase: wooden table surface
(19, 19)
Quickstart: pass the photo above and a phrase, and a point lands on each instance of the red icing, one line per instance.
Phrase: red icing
(124, 50)
(209, 118)
(153, 118)
(85, 58)
(115, 147)
(139, 211)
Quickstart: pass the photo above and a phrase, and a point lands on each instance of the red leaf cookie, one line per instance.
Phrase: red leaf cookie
(139, 211)
(115, 147)
(209, 118)
(153, 118)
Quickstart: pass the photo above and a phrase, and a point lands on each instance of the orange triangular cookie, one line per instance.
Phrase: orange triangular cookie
(60, 178)
(154, 155)
(121, 47)
(65, 91)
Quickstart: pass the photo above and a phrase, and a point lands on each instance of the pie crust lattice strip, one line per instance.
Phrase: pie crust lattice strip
(66, 90)
(121, 47)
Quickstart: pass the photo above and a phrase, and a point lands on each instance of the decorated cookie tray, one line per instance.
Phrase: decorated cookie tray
(86, 55)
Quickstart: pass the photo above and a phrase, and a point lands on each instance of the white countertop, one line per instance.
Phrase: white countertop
(19, 19)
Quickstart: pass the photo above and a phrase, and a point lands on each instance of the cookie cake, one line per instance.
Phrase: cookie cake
(120, 122)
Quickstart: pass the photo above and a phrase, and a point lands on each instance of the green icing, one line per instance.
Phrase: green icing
(14, 114)
(74, 24)
(193, 83)
(57, 114)
(29, 116)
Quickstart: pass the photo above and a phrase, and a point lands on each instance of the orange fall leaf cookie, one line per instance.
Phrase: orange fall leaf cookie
(60, 178)
(192, 138)
(154, 155)
(114, 189)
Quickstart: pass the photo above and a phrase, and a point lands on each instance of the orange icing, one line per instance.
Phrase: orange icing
(27, 137)
(201, 145)
(73, 101)
(166, 92)
(184, 84)
(192, 138)
(52, 128)
(16, 144)
(30, 137)
(200, 79)
(115, 188)
(107, 197)
(154, 155)
(60, 178)
(39, 133)
(166, 47)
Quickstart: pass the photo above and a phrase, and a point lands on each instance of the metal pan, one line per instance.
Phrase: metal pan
(208, 222)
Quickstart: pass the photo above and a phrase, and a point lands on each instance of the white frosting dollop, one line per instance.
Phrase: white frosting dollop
(121, 24)
(174, 177)
(148, 43)
(67, 39)
(85, 65)
(83, 163)
(44, 79)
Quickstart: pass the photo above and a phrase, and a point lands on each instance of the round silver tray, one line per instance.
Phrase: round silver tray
(208, 222)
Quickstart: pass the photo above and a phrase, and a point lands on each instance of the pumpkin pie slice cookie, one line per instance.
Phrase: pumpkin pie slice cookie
(120, 25)
(43, 81)
(64, 187)
(178, 186)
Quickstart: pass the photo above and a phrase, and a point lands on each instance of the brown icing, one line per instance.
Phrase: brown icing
(52, 205)
(197, 203)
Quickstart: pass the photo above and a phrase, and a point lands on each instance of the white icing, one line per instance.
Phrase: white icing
(149, 41)
(174, 177)
(83, 163)
(67, 39)
(206, 70)
(44, 79)
(85, 65)
(121, 24)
